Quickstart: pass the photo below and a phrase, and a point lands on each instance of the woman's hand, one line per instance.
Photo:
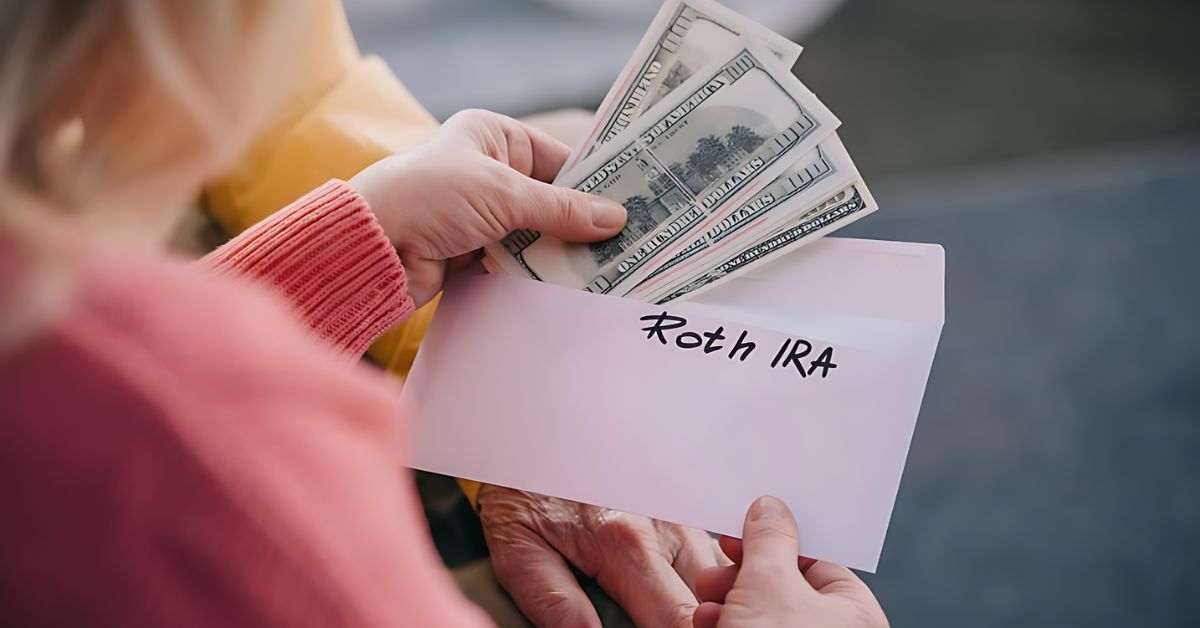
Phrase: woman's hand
(646, 566)
(769, 586)
(477, 178)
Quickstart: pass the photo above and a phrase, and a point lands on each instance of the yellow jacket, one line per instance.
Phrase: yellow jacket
(348, 112)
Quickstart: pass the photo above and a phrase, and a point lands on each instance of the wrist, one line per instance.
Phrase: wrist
(377, 185)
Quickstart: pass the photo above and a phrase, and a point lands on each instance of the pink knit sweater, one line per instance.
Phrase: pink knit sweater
(189, 446)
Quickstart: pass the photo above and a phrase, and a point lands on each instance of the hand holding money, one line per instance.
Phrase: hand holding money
(723, 159)
(479, 176)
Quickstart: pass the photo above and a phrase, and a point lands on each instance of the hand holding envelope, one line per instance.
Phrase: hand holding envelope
(570, 396)
(735, 366)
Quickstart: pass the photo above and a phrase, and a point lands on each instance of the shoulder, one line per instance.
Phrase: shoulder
(170, 349)
(176, 327)
(173, 420)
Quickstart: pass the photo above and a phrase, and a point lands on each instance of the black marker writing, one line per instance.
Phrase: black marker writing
(824, 361)
(743, 345)
(713, 337)
(688, 340)
(794, 355)
(790, 354)
(660, 325)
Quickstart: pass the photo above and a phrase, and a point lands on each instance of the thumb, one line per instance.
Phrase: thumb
(566, 214)
(770, 542)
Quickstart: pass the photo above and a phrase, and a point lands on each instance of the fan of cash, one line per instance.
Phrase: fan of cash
(722, 157)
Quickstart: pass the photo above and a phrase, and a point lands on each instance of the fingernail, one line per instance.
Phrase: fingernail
(766, 506)
(607, 214)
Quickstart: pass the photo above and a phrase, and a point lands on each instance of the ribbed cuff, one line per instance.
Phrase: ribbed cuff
(328, 256)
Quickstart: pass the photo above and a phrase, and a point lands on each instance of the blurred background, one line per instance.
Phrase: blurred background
(1053, 148)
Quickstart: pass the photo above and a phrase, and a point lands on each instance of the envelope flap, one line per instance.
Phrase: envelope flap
(842, 277)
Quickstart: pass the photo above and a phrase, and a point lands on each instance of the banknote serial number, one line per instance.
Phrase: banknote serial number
(795, 353)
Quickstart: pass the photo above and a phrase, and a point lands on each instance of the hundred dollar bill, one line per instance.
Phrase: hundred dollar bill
(684, 36)
(688, 242)
(846, 206)
(727, 131)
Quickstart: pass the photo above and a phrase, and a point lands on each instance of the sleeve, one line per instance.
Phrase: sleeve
(330, 260)
(349, 112)
(175, 467)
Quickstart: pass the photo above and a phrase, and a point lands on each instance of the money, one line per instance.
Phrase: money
(684, 36)
(824, 171)
(834, 212)
(723, 159)
(721, 136)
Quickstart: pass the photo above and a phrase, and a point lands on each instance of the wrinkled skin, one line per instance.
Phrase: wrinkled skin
(649, 567)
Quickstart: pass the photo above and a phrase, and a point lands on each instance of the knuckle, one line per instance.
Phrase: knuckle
(620, 537)
(624, 552)
(553, 206)
(557, 609)
(678, 615)
(697, 540)
(776, 576)
(504, 509)
(573, 208)
(775, 532)
(469, 116)
(478, 125)
(500, 199)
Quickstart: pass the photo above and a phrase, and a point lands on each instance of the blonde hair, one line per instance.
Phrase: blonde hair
(112, 114)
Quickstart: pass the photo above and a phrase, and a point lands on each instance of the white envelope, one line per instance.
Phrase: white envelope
(567, 393)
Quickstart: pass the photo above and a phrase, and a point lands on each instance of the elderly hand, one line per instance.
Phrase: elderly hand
(477, 178)
(647, 566)
(770, 586)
